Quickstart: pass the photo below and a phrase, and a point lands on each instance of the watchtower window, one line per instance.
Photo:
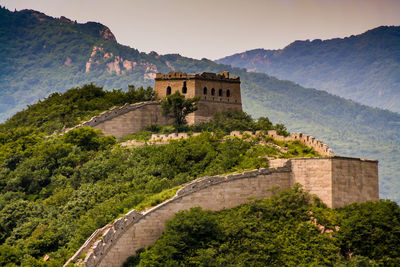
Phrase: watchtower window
(168, 90)
(205, 90)
(184, 88)
(212, 91)
(228, 93)
(220, 92)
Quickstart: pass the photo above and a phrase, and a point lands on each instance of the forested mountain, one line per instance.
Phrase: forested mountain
(364, 68)
(40, 54)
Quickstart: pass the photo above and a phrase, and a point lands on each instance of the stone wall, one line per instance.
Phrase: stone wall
(319, 146)
(207, 108)
(330, 178)
(130, 118)
(121, 239)
(315, 175)
(307, 140)
(354, 181)
(337, 181)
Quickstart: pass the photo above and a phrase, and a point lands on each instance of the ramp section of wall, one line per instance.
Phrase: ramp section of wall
(130, 118)
(126, 235)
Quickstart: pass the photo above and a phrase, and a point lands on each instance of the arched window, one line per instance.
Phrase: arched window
(212, 91)
(220, 92)
(228, 93)
(168, 90)
(205, 90)
(184, 88)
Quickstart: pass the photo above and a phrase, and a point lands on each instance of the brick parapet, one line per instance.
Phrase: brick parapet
(102, 239)
(207, 76)
(317, 145)
(113, 113)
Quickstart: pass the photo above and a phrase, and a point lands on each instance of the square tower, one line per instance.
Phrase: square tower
(217, 92)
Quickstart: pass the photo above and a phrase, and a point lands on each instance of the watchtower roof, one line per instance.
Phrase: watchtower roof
(207, 76)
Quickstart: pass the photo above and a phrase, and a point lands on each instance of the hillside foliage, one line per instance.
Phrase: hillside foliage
(56, 190)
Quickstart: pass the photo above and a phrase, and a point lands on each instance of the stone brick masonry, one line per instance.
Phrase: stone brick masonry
(217, 92)
(336, 180)
(129, 118)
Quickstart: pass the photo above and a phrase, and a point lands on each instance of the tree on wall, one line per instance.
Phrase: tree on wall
(176, 106)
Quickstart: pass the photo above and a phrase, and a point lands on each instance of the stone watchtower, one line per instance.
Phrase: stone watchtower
(217, 92)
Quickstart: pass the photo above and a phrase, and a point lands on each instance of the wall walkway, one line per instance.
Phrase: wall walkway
(129, 118)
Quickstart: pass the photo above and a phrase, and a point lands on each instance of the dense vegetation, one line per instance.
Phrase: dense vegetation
(74, 106)
(34, 50)
(288, 229)
(55, 191)
(364, 68)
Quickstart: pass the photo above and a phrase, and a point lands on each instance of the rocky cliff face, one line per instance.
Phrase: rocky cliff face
(100, 58)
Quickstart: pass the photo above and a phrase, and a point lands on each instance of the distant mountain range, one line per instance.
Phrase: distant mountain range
(364, 68)
(40, 54)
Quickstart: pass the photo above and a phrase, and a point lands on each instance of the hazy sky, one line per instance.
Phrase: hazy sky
(217, 28)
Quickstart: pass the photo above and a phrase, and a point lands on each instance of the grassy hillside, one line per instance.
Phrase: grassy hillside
(34, 50)
(364, 68)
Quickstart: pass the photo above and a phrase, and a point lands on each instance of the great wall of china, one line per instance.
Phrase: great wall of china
(130, 118)
(308, 140)
(121, 121)
(336, 180)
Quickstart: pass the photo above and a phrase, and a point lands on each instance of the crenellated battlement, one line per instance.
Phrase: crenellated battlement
(322, 148)
(205, 76)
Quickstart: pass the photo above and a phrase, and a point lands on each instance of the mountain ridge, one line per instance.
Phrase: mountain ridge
(364, 67)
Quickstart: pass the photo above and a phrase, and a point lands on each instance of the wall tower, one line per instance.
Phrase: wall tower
(217, 92)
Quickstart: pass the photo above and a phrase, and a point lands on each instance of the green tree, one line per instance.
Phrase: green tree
(371, 229)
(88, 138)
(176, 106)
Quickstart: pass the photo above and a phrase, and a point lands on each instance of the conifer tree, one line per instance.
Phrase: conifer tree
(176, 106)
